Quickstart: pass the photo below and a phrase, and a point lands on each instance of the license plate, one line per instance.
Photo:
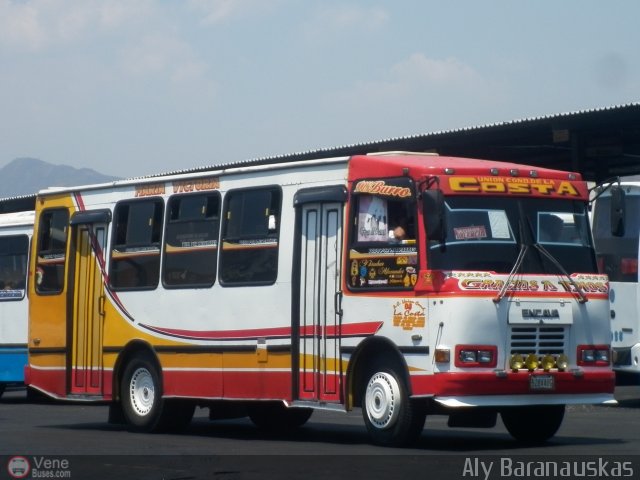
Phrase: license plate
(542, 382)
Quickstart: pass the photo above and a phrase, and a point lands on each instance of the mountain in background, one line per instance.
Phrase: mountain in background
(25, 176)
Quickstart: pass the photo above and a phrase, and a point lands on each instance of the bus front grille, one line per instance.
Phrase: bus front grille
(539, 340)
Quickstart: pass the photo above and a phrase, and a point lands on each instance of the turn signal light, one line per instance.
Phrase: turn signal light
(442, 355)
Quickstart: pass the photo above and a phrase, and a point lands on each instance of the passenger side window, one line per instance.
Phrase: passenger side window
(250, 237)
(52, 250)
(191, 241)
(383, 252)
(135, 251)
(13, 266)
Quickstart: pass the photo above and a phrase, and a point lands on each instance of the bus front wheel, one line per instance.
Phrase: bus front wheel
(533, 424)
(391, 417)
(143, 407)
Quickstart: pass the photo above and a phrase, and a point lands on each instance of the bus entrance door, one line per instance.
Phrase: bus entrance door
(87, 309)
(320, 297)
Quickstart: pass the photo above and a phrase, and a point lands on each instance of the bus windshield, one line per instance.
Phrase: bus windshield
(485, 234)
(617, 256)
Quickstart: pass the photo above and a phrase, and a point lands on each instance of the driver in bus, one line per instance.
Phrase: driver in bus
(398, 234)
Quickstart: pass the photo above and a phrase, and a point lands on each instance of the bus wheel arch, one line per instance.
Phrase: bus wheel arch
(140, 392)
(380, 383)
(366, 354)
(131, 350)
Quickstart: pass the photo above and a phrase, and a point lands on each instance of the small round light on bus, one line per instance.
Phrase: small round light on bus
(514, 172)
(494, 171)
(531, 362)
(533, 173)
(516, 362)
(562, 363)
(548, 362)
(449, 171)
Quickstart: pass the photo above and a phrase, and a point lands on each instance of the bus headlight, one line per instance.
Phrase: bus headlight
(476, 355)
(594, 355)
(602, 355)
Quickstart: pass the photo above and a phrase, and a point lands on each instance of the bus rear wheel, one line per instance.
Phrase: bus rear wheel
(533, 424)
(143, 407)
(391, 417)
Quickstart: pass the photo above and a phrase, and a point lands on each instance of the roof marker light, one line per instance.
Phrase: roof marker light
(514, 172)
(494, 171)
(572, 176)
(449, 171)
(533, 173)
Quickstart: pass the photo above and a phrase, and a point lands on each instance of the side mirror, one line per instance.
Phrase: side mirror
(617, 211)
(433, 215)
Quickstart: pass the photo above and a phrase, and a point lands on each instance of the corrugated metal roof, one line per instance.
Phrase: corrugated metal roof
(18, 203)
(364, 147)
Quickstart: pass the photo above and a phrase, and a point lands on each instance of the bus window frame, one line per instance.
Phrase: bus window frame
(114, 238)
(26, 272)
(39, 239)
(223, 231)
(397, 249)
(167, 222)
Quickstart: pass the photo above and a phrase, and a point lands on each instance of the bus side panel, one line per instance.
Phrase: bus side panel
(13, 337)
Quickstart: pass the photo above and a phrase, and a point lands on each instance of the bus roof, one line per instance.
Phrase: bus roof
(377, 164)
(15, 219)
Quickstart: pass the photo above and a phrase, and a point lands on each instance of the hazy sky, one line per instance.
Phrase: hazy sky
(134, 87)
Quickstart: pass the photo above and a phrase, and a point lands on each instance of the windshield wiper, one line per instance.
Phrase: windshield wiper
(582, 298)
(514, 270)
(527, 240)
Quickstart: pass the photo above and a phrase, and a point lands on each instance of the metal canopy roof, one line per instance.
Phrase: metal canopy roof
(598, 143)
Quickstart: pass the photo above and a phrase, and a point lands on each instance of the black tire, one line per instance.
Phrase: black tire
(277, 416)
(392, 418)
(2, 388)
(143, 406)
(533, 424)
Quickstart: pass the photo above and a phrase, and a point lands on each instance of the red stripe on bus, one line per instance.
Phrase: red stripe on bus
(356, 329)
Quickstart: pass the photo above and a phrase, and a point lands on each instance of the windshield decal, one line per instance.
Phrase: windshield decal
(468, 233)
(514, 186)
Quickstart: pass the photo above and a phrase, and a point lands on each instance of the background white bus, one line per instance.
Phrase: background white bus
(16, 229)
(616, 227)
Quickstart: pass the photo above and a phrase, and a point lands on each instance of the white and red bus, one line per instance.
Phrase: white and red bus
(272, 289)
(16, 229)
